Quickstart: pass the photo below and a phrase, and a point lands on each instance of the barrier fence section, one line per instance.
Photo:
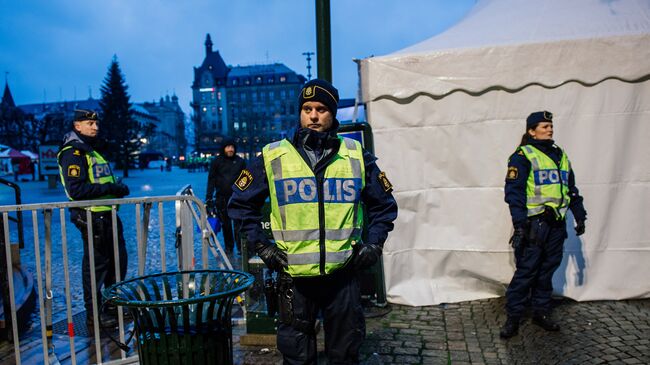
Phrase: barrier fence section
(189, 213)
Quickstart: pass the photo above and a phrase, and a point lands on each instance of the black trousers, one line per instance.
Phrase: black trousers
(338, 297)
(103, 252)
(230, 236)
(535, 264)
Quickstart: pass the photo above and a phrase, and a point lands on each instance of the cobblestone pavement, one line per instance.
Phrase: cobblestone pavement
(607, 332)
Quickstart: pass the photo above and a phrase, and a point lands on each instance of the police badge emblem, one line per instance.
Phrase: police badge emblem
(244, 180)
(512, 173)
(74, 170)
(383, 180)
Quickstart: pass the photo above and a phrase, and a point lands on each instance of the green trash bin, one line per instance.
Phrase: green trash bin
(182, 317)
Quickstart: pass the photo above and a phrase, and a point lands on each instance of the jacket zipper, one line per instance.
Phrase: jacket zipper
(321, 223)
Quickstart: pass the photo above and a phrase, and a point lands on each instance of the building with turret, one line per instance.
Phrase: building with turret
(170, 131)
(252, 105)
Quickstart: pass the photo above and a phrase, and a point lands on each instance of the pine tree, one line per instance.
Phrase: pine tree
(118, 125)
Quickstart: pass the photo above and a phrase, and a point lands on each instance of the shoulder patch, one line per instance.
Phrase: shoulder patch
(244, 180)
(385, 183)
(76, 153)
(74, 171)
(520, 152)
(513, 173)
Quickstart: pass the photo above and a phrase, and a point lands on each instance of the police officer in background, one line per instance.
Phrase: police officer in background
(540, 187)
(316, 183)
(86, 175)
(224, 170)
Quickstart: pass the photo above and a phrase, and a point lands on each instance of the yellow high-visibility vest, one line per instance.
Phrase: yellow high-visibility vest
(99, 172)
(316, 222)
(548, 183)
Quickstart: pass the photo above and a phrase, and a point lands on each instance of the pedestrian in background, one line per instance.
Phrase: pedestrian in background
(224, 170)
(316, 183)
(539, 188)
(86, 175)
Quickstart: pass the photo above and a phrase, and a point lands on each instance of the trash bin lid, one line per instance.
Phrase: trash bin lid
(178, 288)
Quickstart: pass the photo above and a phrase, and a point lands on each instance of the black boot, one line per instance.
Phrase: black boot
(545, 321)
(510, 328)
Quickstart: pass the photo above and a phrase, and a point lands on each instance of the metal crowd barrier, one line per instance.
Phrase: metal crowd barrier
(189, 213)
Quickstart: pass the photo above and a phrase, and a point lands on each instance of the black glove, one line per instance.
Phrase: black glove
(367, 255)
(211, 207)
(273, 257)
(518, 236)
(119, 190)
(580, 227)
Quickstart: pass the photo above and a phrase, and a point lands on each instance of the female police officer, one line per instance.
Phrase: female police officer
(540, 186)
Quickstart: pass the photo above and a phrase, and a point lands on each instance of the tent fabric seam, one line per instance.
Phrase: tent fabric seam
(410, 99)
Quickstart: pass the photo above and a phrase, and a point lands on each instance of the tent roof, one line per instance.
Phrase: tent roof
(506, 22)
(12, 153)
(510, 45)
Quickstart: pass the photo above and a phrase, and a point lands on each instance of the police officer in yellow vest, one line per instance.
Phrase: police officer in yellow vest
(540, 187)
(86, 175)
(317, 183)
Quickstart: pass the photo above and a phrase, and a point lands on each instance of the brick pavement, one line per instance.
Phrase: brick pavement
(607, 332)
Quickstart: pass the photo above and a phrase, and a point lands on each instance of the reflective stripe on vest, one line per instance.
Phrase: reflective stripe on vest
(548, 184)
(99, 172)
(295, 214)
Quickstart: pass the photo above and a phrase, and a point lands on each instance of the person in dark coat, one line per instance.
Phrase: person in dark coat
(224, 170)
(86, 175)
(539, 188)
(316, 182)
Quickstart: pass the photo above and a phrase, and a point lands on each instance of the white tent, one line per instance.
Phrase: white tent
(448, 112)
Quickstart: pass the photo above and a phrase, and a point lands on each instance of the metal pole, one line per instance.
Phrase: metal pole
(323, 40)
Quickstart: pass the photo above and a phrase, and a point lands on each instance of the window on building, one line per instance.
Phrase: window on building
(213, 110)
(270, 80)
(243, 125)
(254, 96)
(212, 95)
(258, 80)
(283, 78)
(283, 94)
(220, 110)
(235, 126)
(235, 82)
(219, 95)
(271, 95)
(220, 124)
(247, 81)
(214, 126)
(292, 109)
(242, 96)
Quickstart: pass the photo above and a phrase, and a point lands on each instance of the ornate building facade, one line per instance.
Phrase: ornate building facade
(252, 105)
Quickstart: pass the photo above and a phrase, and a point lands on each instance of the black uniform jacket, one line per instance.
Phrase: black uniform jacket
(74, 169)
(381, 208)
(517, 178)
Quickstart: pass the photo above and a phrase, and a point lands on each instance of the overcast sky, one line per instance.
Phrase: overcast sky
(59, 50)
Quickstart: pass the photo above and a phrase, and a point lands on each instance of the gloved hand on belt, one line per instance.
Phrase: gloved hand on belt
(367, 255)
(273, 257)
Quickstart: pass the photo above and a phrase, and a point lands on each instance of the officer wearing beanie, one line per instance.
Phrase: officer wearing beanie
(539, 188)
(316, 183)
(86, 175)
